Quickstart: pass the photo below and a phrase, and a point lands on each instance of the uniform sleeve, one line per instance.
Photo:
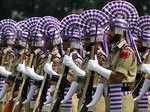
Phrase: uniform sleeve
(124, 61)
(148, 62)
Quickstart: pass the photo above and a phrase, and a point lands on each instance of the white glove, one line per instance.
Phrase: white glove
(97, 95)
(52, 88)
(7, 73)
(71, 92)
(94, 66)
(49, 70)
(143, 90)
(4, 72)
(21, 68)
(68, 61)
(145, 68)
(49, 99)
(3, 91)
(30, 94)
(30, 73)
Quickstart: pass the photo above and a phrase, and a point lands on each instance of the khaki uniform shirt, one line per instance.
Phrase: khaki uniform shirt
(147, 61)
(123, 61)
(102, 61)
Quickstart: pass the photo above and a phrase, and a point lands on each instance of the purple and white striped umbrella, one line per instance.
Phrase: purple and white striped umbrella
(144, 25)
(96, 23)
(36, 37)
(134, 28)
(49, 26)
(121, 9)
(32, 23)
(8, 30)
(94, 20)
(22, 25)
(22, 32)
(53, 19)
(72, 27)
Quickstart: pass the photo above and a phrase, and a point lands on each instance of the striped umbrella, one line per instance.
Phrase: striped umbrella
(94, 20)
(35, 36)
(72, 28)
(22, 31)
(49, 26)
(8, 31)
(96, 23)
(144, 25)
(121, 9)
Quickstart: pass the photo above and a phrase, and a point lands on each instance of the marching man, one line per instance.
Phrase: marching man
(142, 97)
(123, 61)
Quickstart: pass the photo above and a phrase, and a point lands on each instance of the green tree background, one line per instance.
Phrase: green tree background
(20, 9)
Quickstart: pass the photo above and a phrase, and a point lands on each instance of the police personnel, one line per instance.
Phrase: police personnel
(123, 62)
(141, 99)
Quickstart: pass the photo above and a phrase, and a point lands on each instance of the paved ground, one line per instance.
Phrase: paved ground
(101, 106)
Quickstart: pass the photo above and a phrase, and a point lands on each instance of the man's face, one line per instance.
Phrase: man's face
(55, 51)
(10, 40)
(66, 45)
(141, 48)
(112, 37)
(56, 64)
(71, 76)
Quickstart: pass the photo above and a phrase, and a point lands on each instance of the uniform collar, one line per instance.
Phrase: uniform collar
(145, 54)
(121, 43)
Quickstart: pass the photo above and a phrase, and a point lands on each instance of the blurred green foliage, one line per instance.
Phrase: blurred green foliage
(20, 9)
